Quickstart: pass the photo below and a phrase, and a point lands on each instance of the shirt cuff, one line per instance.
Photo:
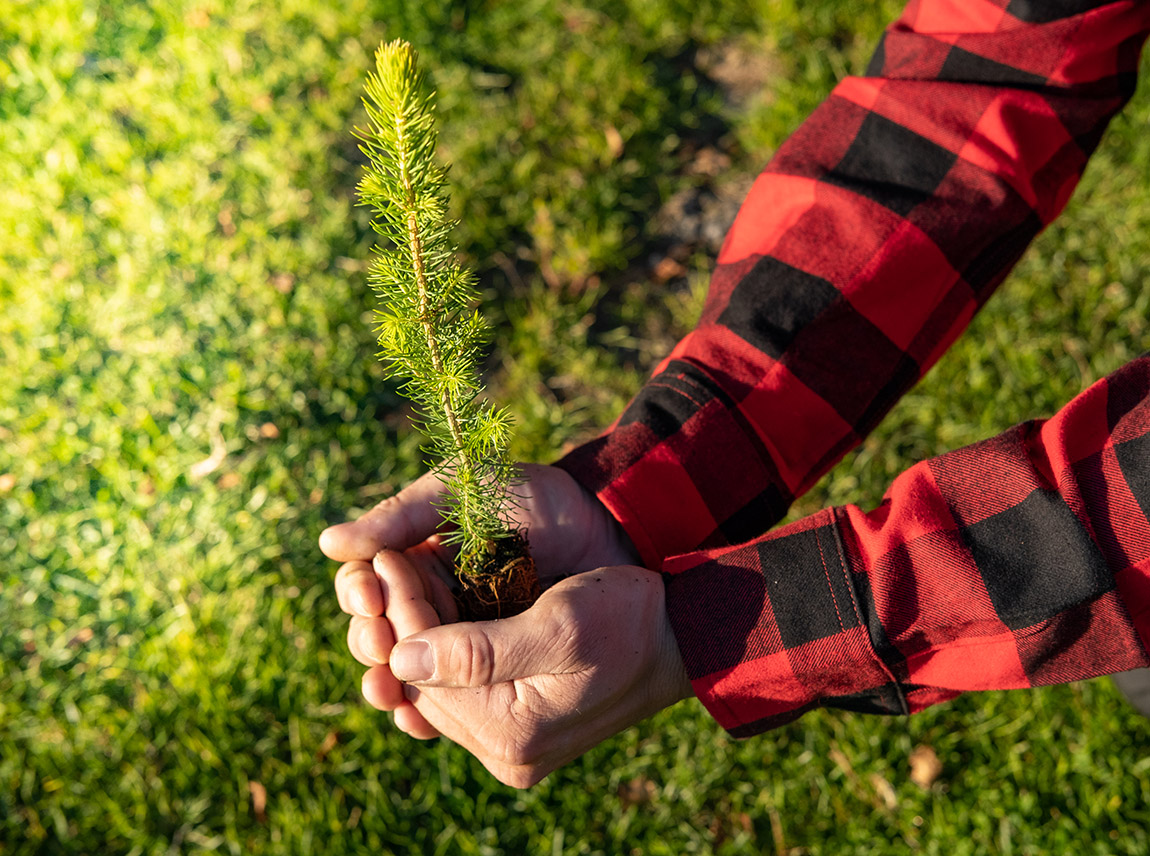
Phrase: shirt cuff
(663, 470)
(771, 629)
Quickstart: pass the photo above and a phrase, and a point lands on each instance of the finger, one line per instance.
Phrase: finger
(399, 522)
(370, 640)
(357, 589)
(438, 567)
(438, 573)
(483, 653)
(413, 723)
(381, 690)
(408, 606)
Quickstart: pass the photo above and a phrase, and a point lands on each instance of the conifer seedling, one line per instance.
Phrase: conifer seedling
(431, 337)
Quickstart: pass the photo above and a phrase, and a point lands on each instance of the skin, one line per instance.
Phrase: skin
(526, 694)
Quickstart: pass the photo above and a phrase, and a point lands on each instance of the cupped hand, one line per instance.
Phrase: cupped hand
(568, 530)
(527, 694)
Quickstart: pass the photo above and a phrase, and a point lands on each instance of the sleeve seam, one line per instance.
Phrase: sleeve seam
(830, 585)
(844, 565)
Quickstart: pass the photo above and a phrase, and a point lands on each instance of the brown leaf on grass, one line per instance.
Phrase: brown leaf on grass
(925, 767)
(224, 218)
(329, 743)
(228, 481)
(638, 791)
(614, 141)
(282, 282)
(269, 431)
(843, 763)
(885, 791)
(82, 637)
(709, 161)
(259, 800)
(777, 834)
(667, 269)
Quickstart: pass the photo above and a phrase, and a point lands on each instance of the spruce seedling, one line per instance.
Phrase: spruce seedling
(430, 336)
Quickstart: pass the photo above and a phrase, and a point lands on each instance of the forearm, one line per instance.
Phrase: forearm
(1020, 561)
(863, 250)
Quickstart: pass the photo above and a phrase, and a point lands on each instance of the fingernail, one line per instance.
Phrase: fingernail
(412, 661)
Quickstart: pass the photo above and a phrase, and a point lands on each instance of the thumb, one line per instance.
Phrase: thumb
(397, 523)
(476, 654)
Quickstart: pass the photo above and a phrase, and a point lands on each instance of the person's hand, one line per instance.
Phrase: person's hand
(568, 529)
(527, 694)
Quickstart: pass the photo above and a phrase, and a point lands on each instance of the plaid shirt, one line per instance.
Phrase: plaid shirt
(862, 251)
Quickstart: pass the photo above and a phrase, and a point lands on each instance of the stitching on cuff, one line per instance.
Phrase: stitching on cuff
(830, 585)
(844, 566)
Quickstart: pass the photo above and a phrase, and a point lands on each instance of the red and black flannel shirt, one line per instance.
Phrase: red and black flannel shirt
(863, 250)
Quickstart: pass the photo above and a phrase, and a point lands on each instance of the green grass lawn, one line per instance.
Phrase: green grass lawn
(189, 397)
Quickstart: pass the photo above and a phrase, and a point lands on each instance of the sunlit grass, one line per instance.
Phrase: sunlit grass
(189, 396)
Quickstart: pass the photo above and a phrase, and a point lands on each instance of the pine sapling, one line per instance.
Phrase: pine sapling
(430, 335)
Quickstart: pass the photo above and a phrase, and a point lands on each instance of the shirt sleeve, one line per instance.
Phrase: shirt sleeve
(862, 251)
(1020, 561)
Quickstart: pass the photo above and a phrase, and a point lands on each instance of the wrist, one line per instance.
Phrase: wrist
(672, 680)
(612, 546)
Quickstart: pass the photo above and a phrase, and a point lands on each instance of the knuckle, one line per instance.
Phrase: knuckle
(563, 620)
(386, 508)
(471, 659)
(398, 514)
(387, 505)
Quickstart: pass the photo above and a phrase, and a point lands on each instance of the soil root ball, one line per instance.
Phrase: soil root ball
(506, 585)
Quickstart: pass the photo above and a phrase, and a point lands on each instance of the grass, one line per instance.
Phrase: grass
(190, 397)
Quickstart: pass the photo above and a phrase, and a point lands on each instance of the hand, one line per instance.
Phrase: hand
(527, 694)
(569, 531)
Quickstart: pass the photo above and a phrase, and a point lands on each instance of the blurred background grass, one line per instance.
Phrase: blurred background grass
(189, 396)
